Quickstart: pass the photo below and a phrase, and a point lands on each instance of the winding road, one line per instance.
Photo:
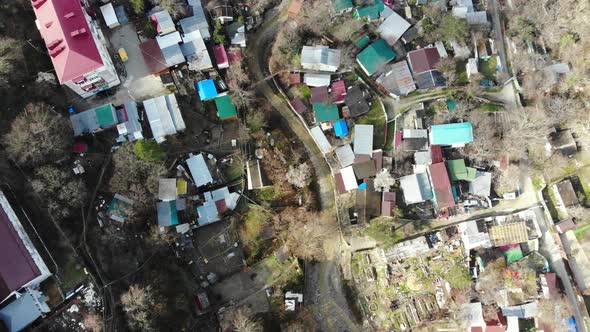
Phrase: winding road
(324, 293)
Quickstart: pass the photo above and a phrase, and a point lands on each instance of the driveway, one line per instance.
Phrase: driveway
(139, 83)
(499, 36)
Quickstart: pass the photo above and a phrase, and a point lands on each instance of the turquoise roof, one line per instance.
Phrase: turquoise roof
(325, 112)
(341, 5)
(452, 133)
(375, 56)
(370, 12)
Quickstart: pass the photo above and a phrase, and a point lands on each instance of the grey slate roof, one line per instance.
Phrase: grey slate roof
(393, 28)
(199, 170)
(397, 79)
(200, 19)
(320, 58)
(167, 189)
(23, 311)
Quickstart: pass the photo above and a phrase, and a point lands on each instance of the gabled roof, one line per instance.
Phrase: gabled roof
(348, 178)
(152, 56)
(320, 58)
(220, 56)
(199, 170)
(340, 128)
(397, 79)
(459, 171)
(164, 116)
(94, 119)
(416, 188)
(225, 107)
(67, 35)
(167, 189)
(345, 155)
(451, 133)
(325, 112)
(374, 56)
(482, 184)
(321, 140)
(371, 11)
(567, 193)
(355, 100)
(207, 89)
(338, 90)
(424, 59)
(195, 51)
(298, 105)
(365, 169)
(363, 139)
(167, 213)
(197, 22)
(23, 311)
(163, 21)
(393, 28)
(441, 185)
(319, 94)
(506, 234)
(429, 79)
(313, 79)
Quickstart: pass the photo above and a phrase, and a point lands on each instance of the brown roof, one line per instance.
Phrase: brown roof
(567, 193)
(295, 8)
(495, 328)
(295, 78)
(442, 185)
(565, 225)
(298, 105)
(153, 57)
(424, 59)
(378, 157)
(339, 183)
(513, 233)
(365, 169)
(319, 94)
(388, 204)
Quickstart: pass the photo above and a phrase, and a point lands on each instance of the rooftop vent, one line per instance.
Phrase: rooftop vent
(48, 24)
(79, 32)
(69, 15)
(57, 51)
(54, 43)
(37, 3)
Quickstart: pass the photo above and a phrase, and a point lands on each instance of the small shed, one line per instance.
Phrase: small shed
(226, 110)
(321, 140)
(567, 193)
(298, 105)
(348, 178)
(340, 128)
(109, 15)
(220, 57)
(325, 112)
(199, 170)
(345, 155)
(167, 213)
(207, 89)
(167, 189)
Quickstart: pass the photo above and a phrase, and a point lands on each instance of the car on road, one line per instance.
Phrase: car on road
(123, 54)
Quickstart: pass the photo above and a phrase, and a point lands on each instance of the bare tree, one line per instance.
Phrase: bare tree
(138, 303)
(61, 192)
(241, 320)
(93, 323)
(448, 68)
(315, 17)
(38, 136)
(383, 181)
(129, 169)
(176, 8)
(300, 175)
(10, 56)
(507, 180)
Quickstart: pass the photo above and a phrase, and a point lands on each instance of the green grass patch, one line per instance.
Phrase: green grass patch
(375, 117)
(390, 136)
(582, 229)
(234, 171)
(490, 107)
(488, 68)
(304, 90)
(538, 182)
(382, 231)
(251, 231)
(461, 70)
(72, 274)
(268, 194)
(584, 176)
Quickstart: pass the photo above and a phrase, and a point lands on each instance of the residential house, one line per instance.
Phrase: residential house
(318, 135)
(393, 28)
(423, 60)
(129, 125)
(396, 80)
(342, 6)
(207, 89)
(167, 189)
(295, 78)
(153, 57)
(364, 167)
(414, 139)
(416, 188)
(407, 249)
(312, 79)
(319, 94)
(167, 213)
(481, 185)
(94, 120)
(23, 311)
(459, 172)
(320, 58)
(566, 195)
(474, 234)
(200, 20)
(237, 33)
(256, 178)
(370, 11)
(477, 18)
(193, 46)
(346, 180)
(356, 100)
(509, 233)
(21, 265)
(170, 48)
(220, 57)
(338, 91)
(374, 56)
(163, 22)
(566, 225)
(388, 204)
(443, 195)
(429, 79)
(164, 116)
(325, 112)
(76, 46)
(523, 311)
(199, 170)
(368, 202)
(345, 155)
(216, 203)
(298, 105)
(363, 139)
(340, 128)
(453, 134)
(226, 110)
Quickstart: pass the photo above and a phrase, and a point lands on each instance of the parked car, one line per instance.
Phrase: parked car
(123, 54)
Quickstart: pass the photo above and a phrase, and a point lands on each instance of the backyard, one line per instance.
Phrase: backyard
(376, 117)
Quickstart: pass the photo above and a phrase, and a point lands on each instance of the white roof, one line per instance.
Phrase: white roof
(414, 133)
(471, 67)
(164, 116)
(199, 170)
(527, 310)
(363, 139)
(167, 189)
(472, 313)
(320, 139)
(393, 28)
(168, 40)
(482, 184)
(416, 188)
(164, 22)
(195, 51)
(348, 178)
(316, 79)
(397, 79)
(440, 47)
(320, 58)
(108, 12)
(472, 237)
(207, 213)
(407, 249)
(345, 155)
(460, 11)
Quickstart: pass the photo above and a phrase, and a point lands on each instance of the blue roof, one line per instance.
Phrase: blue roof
(21, 313)
(452, 133)
(362, 186)
(340, 128)
(167, 214)
(206, 89)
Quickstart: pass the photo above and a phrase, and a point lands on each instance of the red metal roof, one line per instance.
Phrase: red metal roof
(235, 55)
(220, 55)
(338, 91)
(424, 59)
(495, 328)
(67, 35)
(339, 183)
(436, 154)
(295, 78)
(398, 138)
(551, 278)
(441, 185)
(152, 55)
(17, 267)
(378, 157)
(319, 94)
(298, 105)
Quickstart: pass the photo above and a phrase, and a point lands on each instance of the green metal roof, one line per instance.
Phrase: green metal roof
(370, 12)
(457, 169)
(375, 56)
(325, 112)
(471, 173)
(225, 108)
(341, 5)
(105, 115)
(451, 133)
(363, 42)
